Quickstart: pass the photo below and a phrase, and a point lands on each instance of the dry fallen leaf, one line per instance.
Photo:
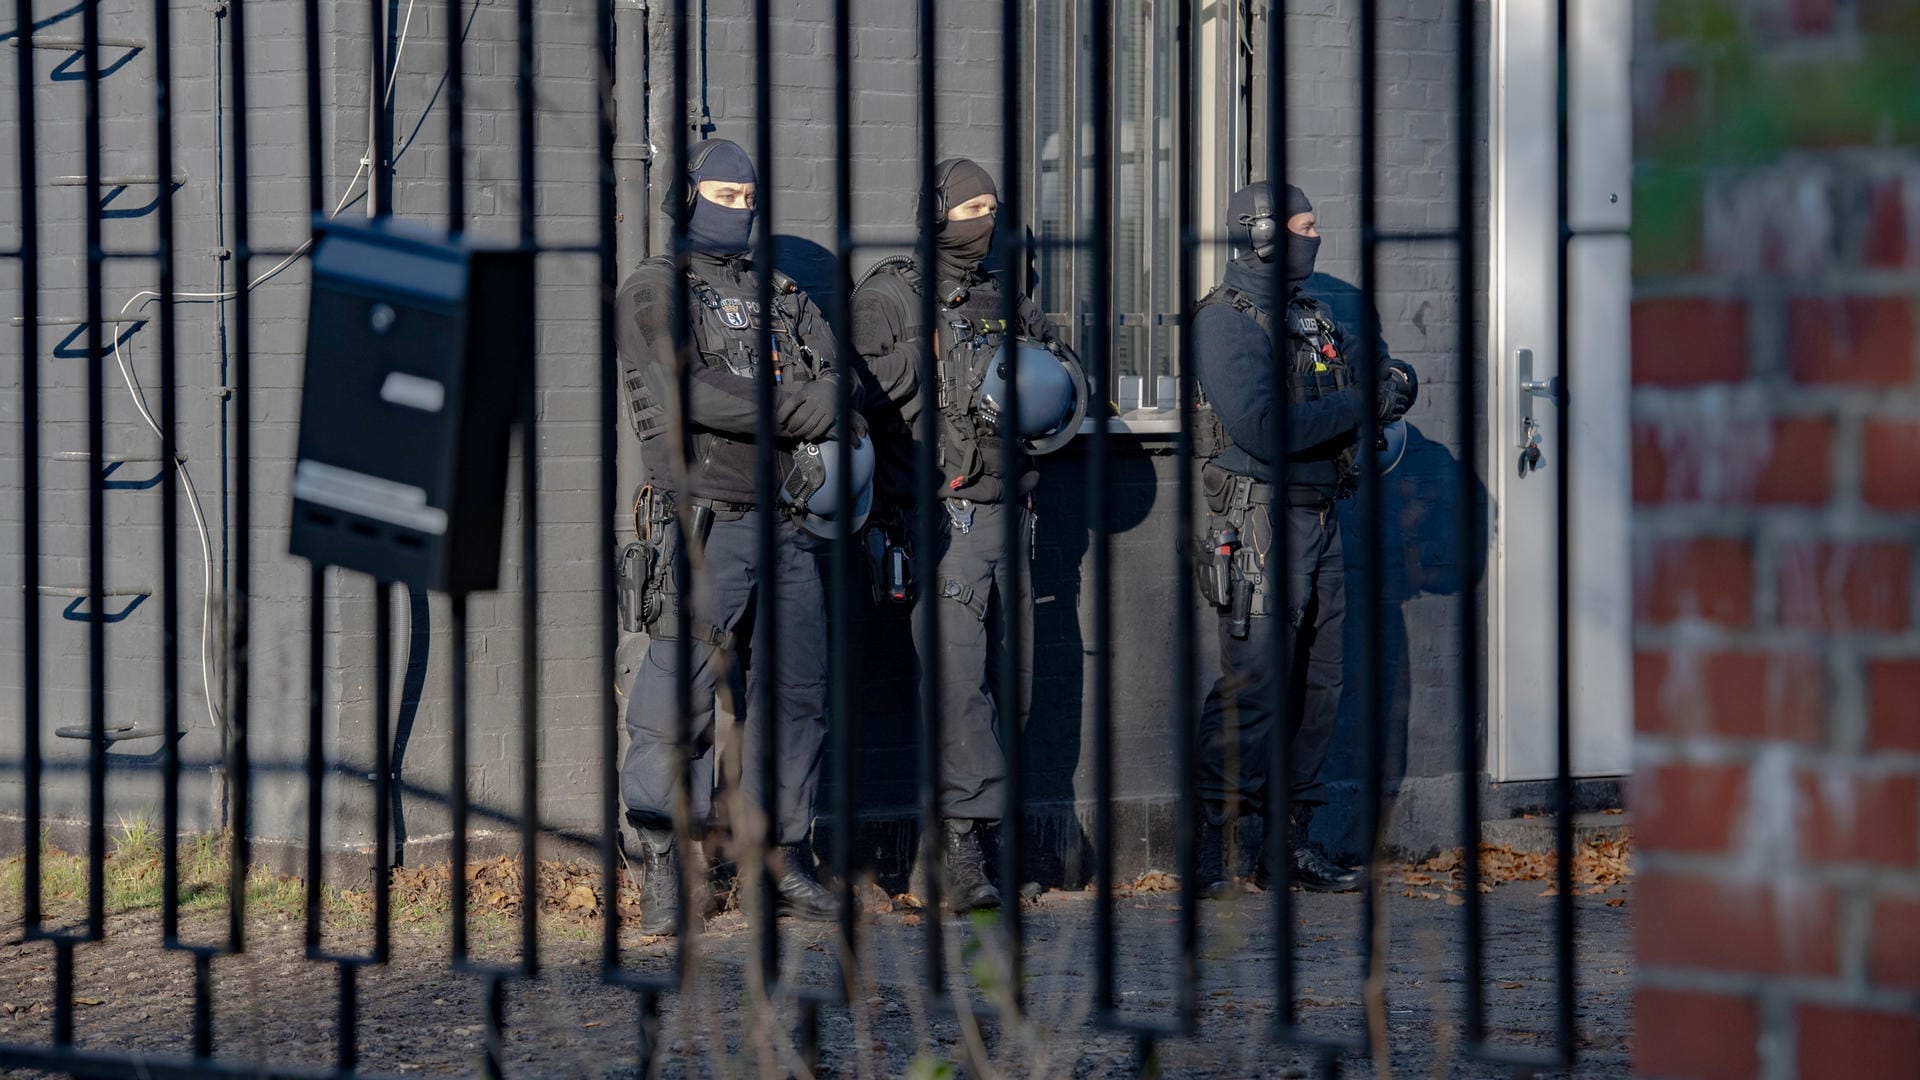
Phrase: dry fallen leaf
(1153, 881)
(594, 1024)
(1511, 985)
(1618, 901)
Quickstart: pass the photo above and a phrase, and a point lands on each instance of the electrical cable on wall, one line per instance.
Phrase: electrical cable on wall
(138, 393)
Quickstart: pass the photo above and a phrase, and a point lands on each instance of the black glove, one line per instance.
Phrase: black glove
(1396, 392)
(806, 410)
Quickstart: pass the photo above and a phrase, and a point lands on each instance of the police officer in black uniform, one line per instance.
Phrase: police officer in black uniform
(967, 577)
(1235, 438)
(723, 324)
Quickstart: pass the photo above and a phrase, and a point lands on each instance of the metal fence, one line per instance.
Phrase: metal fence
(846, 592)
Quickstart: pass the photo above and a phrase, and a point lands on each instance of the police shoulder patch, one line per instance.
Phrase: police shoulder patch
(733, 313)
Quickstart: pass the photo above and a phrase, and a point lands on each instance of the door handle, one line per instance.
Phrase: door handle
(1526, 388)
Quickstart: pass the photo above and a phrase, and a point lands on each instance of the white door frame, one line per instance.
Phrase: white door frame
(1524, 229)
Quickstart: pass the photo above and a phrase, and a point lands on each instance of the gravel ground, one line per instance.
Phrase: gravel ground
(416, 1016)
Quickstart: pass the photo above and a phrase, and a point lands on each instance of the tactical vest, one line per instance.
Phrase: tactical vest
(1317, 369)
(963, 349)
(722, 331)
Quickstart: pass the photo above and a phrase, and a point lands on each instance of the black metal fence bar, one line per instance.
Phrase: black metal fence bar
(29, 255)
(316, 761)
(1279, 760)
(456, 120)
(524, 107)
(1015, 674)
(1186, 678)
(926, 531)
(1366, 364)
(609, 281)
(1097, 349)
(680, 326)
(843, 601)
(767, 645)
(239, 709)
(1469, 525)
(1564, 927)
(96, 532)
(457, 791)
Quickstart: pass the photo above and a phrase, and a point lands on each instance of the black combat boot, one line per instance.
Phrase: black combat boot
(967, 885)
(1212, 861)
(801, 894)
(1312, 870)
(659, 884)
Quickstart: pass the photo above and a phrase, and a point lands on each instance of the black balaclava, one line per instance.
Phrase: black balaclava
(712, 228)
(1301, 250)
(963, 245)
(1249, 272)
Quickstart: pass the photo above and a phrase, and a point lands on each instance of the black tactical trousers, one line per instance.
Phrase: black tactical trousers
(1238, 720)
(972, 593)
(728, 606)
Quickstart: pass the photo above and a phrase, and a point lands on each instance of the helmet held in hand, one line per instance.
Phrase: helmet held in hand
(1051, 390)
(810, 487)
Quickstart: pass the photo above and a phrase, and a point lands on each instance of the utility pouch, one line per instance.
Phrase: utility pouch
(700, 517)
(1241, 611)
(1216, 487)
(1210, 438)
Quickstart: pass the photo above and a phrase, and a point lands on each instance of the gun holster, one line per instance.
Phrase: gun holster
(643, 569)
(632, 570)
(1213, 567)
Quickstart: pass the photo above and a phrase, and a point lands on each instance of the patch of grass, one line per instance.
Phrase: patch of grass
(925, 1066)
(136, 839)
(134, 876)
(135, 881)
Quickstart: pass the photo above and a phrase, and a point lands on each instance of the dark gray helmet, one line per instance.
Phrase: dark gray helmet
(811, 486)
(1053, 394)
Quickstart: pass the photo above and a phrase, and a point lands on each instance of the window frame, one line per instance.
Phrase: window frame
(1223, 133)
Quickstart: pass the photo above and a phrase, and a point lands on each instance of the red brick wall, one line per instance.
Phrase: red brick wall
(1776, 487)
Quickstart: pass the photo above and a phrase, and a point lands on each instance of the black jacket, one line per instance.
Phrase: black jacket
(724, 409)
(1233, 363)
(887, 340)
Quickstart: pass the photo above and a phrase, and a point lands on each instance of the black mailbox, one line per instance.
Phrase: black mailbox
(417, 345)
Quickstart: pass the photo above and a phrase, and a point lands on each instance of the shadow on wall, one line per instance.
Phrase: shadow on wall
(811, 267)
(1422, 554)
(1062, 852)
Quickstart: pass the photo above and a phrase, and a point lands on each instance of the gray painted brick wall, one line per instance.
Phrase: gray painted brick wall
(1417, 306)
